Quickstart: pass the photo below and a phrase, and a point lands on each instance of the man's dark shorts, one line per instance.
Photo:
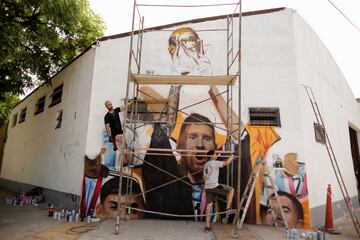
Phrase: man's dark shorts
(221, 189)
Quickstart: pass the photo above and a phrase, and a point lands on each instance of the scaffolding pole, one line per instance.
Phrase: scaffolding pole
(131, 123)
(237, 228)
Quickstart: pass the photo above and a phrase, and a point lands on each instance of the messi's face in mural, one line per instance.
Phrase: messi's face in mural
(109, 207)
(290, 212)
(199, 137)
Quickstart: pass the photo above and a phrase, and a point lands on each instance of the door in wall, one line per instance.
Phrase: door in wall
(355, 156)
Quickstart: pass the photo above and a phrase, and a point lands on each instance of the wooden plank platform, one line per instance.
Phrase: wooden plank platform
(183, 80)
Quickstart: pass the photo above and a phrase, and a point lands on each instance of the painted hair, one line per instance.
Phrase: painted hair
(112, 187)
(194, 118)
(182, 34)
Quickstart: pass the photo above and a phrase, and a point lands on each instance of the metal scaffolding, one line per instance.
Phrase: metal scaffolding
(132, 114)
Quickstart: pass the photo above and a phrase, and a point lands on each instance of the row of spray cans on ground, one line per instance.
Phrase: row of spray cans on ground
(318, 235)
(23, 200)
(70, 215)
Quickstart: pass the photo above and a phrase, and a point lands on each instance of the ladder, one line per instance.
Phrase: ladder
(260, 166)
(332, 158)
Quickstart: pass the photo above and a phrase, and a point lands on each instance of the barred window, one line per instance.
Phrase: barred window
(56, 96)
(22, 115)
(40, 105)
(265, 116)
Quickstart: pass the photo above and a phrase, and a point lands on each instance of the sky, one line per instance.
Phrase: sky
(336, 32)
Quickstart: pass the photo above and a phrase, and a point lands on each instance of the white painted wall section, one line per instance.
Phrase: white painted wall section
(37, 153)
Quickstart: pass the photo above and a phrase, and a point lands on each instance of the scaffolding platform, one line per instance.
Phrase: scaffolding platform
(183, 80)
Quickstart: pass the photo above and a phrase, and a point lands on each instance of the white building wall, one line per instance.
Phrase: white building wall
(109, 83)
(279, 52)
(269, 75)
(35, 152)
(339, 110)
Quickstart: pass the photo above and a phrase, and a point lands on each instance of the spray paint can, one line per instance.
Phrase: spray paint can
(293, 233)
(76, 217)
(287, 233)
(55, 215)
(320, 235)
(51, 210)
(88, 219)
(62, 213)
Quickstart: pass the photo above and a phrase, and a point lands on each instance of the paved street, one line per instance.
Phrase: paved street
(31, 222)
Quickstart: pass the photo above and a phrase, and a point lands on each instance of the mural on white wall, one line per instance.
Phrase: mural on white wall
(291, 182)
(171, 182)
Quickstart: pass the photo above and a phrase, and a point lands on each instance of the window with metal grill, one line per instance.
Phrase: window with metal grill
(56, 96)
(319, 133)
(40, 105)
(22, 115)
(265, 116)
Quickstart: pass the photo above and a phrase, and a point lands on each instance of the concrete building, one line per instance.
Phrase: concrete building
(54, 127)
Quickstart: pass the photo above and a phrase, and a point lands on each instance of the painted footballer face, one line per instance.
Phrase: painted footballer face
(109, 207)
(289, 210)
(199, 137)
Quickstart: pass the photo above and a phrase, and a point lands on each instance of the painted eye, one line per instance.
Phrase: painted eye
(191, 137)
(113, 205)
(286, 211)
(268, 212)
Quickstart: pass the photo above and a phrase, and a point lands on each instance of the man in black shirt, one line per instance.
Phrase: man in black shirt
(113, 127)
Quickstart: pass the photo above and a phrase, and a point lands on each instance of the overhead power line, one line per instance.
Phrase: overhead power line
(189, 6)
(344, 15)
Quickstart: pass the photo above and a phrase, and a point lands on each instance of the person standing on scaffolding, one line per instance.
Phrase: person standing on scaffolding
(212, 186)
(114, 129)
